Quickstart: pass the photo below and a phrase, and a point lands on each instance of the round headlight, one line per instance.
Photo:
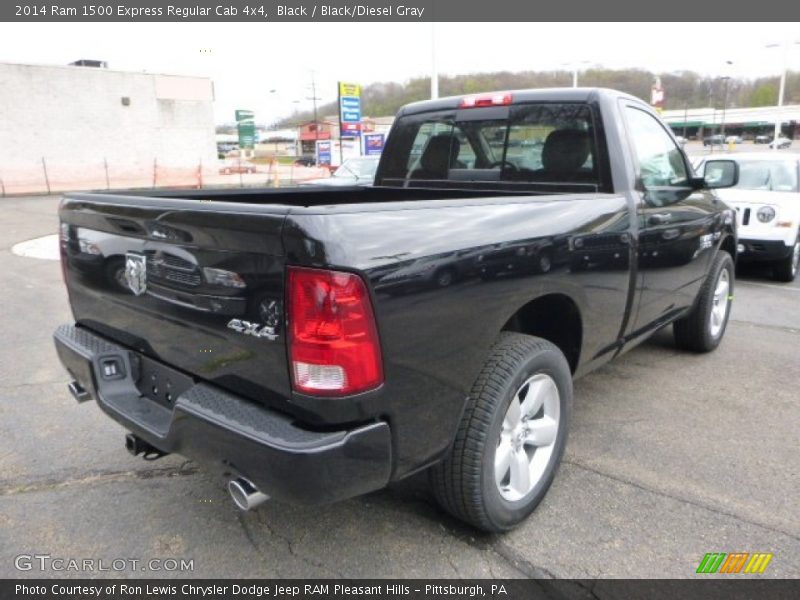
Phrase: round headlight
(766, 214)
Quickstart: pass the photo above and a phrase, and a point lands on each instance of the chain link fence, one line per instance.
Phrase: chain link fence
(49, 177)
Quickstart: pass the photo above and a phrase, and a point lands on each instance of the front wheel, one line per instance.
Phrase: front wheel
(786, 270)
(511, 438)
(703, 328)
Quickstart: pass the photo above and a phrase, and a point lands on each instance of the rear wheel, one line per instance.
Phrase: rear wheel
(511, 438)
(703, 328)
(115, 273)
(786, 270)
(445, 277)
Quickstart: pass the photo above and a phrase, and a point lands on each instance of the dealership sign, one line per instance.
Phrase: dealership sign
(373, 144)
(324, 152)
(349, 109)
(246, 127)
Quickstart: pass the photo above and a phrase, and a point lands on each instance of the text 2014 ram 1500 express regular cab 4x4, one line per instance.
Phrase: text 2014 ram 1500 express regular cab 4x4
(318, 344)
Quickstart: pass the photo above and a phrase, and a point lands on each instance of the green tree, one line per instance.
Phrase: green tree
(764, 95)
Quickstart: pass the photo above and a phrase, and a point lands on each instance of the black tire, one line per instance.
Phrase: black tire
(114, 270)
(694, 332)
(445, 277)
(464, 482)
(786, 269)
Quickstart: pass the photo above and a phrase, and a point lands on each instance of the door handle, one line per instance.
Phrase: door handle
(659, 218)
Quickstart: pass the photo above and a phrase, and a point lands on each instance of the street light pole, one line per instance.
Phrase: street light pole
(574, 68)
(434, 68)
(685, 117)
(724, 105)
(781, 90)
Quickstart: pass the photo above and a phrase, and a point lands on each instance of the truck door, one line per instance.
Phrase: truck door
(676, 222)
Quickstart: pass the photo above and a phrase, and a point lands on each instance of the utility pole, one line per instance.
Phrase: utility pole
(314, 99)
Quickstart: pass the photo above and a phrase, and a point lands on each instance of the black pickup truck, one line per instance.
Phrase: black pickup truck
(319, 344)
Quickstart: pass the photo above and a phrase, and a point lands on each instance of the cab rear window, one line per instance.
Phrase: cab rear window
(543, 143)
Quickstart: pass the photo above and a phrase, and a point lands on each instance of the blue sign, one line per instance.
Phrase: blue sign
(373, 144)
(323, 153)
(350, 109)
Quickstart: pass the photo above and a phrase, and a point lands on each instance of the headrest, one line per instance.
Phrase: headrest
(565, 150)
(437, 153)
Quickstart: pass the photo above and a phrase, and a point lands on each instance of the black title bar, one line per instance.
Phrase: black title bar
(145, 11)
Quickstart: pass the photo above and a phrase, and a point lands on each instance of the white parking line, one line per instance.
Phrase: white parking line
(44, 247)
(785, 288)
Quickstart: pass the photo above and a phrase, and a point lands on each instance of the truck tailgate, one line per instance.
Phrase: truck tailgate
(194, 284)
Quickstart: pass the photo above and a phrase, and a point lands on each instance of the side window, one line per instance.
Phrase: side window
(660, 161)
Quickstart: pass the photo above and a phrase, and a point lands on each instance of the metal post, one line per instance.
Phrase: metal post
(575, 76)
(155, 170)
(2, 188)
(239, 159)
(200, 175)
(105, 166)
(46, 178)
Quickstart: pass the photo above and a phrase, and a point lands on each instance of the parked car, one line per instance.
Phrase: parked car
(255, 338)
(767, 202)
(781, 143)
(762, 139)
(681, 140)
(713, 140)
(305, 161)
(353, 171)
(233, 165)
(734, 139)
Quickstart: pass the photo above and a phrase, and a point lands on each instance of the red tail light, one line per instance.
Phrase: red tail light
(333, 342)
(500, 99)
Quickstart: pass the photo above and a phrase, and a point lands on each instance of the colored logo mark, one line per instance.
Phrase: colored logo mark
(737, 562)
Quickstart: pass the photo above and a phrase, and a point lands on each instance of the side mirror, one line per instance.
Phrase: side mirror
(721, 173)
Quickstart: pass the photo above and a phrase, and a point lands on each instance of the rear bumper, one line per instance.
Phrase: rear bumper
(217, 428)
(763, 250)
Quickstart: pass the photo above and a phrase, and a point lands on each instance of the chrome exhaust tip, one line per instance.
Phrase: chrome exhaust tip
(244, 494)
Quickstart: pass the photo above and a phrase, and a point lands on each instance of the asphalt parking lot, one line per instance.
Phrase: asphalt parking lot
(671, 456)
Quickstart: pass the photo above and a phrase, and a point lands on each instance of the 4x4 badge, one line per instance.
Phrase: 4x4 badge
(255, 329)
(136, 272)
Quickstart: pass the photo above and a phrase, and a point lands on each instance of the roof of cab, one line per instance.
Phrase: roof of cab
(518, 97)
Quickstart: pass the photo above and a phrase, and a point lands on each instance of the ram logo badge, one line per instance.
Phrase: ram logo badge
(136, 273)
(255, 329)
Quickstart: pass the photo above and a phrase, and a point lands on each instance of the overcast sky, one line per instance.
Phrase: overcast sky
(247, 60)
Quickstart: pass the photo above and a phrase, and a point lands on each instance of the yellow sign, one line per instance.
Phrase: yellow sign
(349, 89)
